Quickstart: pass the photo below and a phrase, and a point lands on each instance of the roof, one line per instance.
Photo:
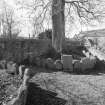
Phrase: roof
(93, 33)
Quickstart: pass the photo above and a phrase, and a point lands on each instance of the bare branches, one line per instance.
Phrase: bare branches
(73, 1)
(37, 11)
(88, 9)
(8, 21)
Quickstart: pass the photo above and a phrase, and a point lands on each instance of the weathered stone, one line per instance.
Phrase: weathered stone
(43, 63)
(16, 68)
(3, 64)
(50, 63)
(38, 61)
(9, 64)
(58, 65)
(27, 76)
(22, 91)
(85, 63)
(77, 65)
(12, 67)
(67, 62)
(21, 70)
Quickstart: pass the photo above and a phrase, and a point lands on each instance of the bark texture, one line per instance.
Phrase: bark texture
(58, 24)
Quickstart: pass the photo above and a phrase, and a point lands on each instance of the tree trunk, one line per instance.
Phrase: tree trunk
(9, 32)
(58, 24)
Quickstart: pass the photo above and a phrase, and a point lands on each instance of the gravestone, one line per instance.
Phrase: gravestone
(38, 61)
(21, 70)
(50, 63)
(43, 63)
(3, 64)
(12, 67)
(67, 62)
(22, 91)
(58, 65)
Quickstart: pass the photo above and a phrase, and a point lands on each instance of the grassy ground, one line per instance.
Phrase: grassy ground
(8, 86)
(75, 89)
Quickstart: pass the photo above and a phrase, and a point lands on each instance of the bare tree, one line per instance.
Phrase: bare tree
(86, 11)
(9, 22)
(58, 24)
(37, 27)
(39, 13)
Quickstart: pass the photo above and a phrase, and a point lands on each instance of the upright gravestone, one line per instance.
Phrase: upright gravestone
(67, 62)
(3, 64)
(12, 67)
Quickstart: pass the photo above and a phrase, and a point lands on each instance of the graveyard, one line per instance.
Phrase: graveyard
(52, 52)
(80, 81)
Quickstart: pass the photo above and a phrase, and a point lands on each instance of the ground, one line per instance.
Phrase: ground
(8, 86)
(57, 88)
(81, 89)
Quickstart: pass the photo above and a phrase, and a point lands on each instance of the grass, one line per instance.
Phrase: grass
(8, 86)
(82, 89)
(76, 89)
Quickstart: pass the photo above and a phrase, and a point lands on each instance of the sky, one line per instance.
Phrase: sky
(71, 30)
(20, 15)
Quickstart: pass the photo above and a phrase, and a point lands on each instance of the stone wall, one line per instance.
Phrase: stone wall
(19, 49)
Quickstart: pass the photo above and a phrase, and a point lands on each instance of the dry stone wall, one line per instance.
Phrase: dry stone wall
(19, 49)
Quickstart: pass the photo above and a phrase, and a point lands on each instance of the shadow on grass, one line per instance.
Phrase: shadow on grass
(38, 96)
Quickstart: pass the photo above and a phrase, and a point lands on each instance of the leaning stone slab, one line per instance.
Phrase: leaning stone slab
(21, 70)
(22, 91)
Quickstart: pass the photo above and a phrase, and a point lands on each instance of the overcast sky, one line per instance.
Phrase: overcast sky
(27, 29)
